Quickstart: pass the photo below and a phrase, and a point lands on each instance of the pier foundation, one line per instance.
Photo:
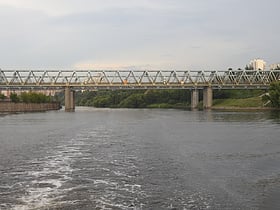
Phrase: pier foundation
(69, 100)
(194, 98)
(207, 97)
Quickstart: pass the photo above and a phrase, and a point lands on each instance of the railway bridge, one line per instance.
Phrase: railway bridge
(72, 80)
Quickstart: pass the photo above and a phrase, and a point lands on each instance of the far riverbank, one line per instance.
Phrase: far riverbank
(230, 108)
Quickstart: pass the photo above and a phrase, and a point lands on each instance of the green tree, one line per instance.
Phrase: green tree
(101, 101)
(24, 97)
(273, 94)
(33, 97)
(14, 97)
(134, 101)
(2, 96)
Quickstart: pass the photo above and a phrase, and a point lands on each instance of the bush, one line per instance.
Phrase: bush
(134, 101)
(101, 101)
(2, 96)
(273, 94)
(14, 97)
(34, 98)
(30, 98)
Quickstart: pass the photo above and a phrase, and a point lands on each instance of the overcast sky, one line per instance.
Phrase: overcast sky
(152, 34)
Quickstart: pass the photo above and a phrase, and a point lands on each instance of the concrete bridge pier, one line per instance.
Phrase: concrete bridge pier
(194, 98)
(69, 100)
(207, 97)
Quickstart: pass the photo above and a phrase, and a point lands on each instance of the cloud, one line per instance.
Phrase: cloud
(66, 7)
(131, 33)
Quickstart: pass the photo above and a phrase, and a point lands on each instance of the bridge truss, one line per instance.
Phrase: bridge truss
(136, 79)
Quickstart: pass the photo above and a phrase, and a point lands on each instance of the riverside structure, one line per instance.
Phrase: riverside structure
(72, 80)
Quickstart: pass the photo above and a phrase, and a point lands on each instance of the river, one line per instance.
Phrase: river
(140, 159)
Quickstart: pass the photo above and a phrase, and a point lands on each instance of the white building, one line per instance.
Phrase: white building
(275, 66)
(258, 64)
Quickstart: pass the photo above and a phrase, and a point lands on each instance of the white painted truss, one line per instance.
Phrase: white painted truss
(138, 79)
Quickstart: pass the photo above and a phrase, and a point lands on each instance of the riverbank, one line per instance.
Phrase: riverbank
(231, 108)
(246, 104)
(11, 107)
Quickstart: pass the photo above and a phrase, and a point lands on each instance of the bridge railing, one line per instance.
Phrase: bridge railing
(136, 78)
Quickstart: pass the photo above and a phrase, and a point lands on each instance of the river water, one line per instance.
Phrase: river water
(140, 159)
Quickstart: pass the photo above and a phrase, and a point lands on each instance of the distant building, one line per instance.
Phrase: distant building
(275, 66)
(257, 64)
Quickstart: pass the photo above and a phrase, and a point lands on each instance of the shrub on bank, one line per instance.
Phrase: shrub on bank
(2, 96)
(30, 97)
(273, 96)
(14, 98)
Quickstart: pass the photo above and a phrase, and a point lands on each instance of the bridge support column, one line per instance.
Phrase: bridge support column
(207, 97)
(194, 98)
(69, 100)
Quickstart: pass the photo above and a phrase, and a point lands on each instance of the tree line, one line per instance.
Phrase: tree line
(28, 97)
(146, 98)
(133, 98)
(150, 98)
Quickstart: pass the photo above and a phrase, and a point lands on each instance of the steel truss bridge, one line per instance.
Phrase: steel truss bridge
(136, 79)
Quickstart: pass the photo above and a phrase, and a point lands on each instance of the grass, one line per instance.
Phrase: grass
(244, 102)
